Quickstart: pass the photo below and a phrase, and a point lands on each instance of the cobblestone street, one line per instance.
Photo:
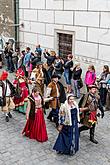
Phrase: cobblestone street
(18, 150)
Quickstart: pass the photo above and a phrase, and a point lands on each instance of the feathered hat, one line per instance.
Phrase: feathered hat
(20, 73)
(4, 75)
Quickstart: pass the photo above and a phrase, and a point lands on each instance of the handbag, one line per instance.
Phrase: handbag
(80, 83)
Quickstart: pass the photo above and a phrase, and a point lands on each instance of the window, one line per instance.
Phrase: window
(64, 43)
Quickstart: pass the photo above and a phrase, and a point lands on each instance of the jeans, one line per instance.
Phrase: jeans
(10, 65)
(25, 72)
(15, 66)
(67, 77)
(76, 89)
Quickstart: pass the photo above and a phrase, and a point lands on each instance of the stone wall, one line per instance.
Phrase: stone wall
(6, 18)
(89, 19)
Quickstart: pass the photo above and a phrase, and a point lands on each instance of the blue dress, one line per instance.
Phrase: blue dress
(68, 139)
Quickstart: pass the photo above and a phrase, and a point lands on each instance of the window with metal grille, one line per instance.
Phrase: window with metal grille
(64, 44)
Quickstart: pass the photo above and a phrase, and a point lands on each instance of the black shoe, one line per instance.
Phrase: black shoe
(10, 115)
(59, 152)
(7, 119)
(94, 141)
(49, 118)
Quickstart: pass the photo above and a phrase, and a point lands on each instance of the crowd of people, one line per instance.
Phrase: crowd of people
(69, 116)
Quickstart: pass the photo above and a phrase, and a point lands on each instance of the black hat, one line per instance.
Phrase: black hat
(55, 76)
(93, 86)
(39, 63)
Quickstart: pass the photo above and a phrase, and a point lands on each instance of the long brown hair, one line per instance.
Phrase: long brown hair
(107, 68)
(92, 67)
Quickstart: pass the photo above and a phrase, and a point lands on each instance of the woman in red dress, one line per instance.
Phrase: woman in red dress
(35, 127)
(21, 85)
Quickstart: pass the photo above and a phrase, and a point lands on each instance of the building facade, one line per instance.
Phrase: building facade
(7, 31)
(81, 27)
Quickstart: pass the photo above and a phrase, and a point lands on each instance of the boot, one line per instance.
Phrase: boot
(7, 119)
(56, 121)
(10, 115)
(50, 116)
(92, 130)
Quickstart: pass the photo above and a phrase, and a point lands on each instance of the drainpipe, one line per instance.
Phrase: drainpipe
(16, 12)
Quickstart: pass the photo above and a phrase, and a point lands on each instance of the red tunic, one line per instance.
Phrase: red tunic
(24, 93)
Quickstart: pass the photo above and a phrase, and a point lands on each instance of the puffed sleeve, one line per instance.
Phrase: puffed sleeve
(28, 109)
(48, 91)
(15, 82)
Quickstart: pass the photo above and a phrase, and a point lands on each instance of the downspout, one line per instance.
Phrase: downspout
(16, 12)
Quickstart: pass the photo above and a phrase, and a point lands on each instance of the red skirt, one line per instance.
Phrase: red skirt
(92, 117)
(36, 129)
(28, 127)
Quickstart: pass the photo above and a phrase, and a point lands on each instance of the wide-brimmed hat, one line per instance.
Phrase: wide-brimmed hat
(55, 76)
(40, 63)
(20, 73)
(93, 86)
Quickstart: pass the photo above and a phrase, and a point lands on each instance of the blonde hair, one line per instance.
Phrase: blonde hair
(52, 53)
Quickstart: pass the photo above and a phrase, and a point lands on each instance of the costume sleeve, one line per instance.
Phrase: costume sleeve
(49, 88)
(48, 92)
(28, 108)
(78, 116)
(33, 75)
(15, 81)
(84, 102)
(34, 70)
(62, 115)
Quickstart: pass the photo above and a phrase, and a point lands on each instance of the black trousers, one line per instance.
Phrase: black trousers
(92, 130)
(103, 94)
(25, 72)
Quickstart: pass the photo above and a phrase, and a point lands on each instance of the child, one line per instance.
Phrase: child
(90, 76)
(35, 127)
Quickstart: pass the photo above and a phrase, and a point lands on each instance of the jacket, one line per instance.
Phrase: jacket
(91, 103)
(52, 92)
(90, 78)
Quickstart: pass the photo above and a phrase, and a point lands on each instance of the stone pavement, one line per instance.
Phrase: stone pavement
(18, 150)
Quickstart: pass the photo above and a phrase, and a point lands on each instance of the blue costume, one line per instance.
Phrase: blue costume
(68, 138)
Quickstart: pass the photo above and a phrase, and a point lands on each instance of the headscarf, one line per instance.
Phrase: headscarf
(66, 109)
(20, 73)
